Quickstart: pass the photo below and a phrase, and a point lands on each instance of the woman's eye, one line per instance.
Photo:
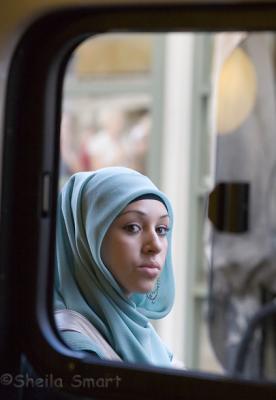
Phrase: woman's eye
(162, 230)
(132, 228)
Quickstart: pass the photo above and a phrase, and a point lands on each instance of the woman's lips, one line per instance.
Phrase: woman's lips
(151, 270)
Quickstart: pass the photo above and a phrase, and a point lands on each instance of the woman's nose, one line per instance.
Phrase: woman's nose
(152, 243)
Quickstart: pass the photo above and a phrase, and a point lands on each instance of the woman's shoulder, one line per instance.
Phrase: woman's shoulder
(79, 342)
(80, 334)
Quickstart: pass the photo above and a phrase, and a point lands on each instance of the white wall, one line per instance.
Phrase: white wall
(175, 174)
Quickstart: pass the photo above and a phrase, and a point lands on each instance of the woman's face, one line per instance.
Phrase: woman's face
(135, 246)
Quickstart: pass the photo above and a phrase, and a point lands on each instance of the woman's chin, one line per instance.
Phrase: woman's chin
(145, 288)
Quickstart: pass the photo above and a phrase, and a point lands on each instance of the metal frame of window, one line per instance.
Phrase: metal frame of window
(30, 175)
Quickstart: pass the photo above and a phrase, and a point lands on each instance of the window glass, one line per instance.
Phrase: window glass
(191, 111)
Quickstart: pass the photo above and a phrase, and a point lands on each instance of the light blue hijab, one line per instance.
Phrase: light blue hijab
(88, 204)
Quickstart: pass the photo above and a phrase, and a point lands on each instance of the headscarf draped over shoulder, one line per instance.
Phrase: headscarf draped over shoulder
(87, 206)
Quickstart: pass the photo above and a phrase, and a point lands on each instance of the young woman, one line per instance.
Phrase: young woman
(114, 268)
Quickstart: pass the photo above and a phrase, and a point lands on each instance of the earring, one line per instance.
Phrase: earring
(152, 295)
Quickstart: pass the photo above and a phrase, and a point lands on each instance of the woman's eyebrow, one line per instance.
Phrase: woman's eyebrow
(141, 213)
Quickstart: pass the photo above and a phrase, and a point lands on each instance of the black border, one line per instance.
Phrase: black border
(31, 147)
